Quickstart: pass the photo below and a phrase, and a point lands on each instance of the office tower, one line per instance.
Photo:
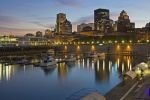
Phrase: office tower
(38, 34)
(63, 26)
(101, 20)
(124, 24)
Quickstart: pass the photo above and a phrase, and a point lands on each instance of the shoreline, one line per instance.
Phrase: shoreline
(119, 90)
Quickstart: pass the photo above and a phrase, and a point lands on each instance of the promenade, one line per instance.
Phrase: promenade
(131, 90)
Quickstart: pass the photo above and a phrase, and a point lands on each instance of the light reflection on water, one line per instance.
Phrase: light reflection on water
(58, 83)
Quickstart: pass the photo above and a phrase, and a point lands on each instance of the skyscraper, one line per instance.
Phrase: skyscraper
(124, 24)
(101, 20)
(67, 27)
(39, 34)
(61, 17)
(48, 33)
(63, 26)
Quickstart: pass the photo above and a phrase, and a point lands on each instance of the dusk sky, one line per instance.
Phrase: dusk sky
(28, 16)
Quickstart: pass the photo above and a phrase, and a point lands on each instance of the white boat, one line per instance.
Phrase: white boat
(23, 61)
(101, 54)
(92, 55)
(48, 61)
(70, 59)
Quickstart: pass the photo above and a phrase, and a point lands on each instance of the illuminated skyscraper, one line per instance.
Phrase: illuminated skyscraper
(101, 20)
(61, 17)
(48, 33)
(63, 26)
(39, 34)
(124, 24)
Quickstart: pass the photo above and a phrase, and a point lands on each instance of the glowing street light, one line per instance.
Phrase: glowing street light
(123, 41)
(130, 41)
(147, 41)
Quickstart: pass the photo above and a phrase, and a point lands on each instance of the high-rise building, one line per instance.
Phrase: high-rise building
(38, 34)
(102, 21)
(124, 24)
(63, 26)
(61, 17)
(67, 27)
(48, 33)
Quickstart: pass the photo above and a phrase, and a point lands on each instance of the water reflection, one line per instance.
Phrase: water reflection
(62, 70)
(48, 71)
(59, 82)
(6, 71)
(102, 67)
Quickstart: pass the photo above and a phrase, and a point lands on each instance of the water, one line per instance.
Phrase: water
(36, 83)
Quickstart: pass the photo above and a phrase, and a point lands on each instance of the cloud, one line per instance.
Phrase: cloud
(43, 18)
(15, 31)
(86, 19)
(8, 20)
(42, 25)
(72, 3)
(114, 15)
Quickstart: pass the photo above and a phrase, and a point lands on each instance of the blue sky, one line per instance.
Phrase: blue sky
(24, 16)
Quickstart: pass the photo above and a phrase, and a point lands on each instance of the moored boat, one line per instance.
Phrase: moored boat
(48, 61)
(71, 58)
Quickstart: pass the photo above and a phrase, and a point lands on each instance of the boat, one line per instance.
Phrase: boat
(48, 61)
(92, 55)
(70, 59)
(23, 61)
(102, 55)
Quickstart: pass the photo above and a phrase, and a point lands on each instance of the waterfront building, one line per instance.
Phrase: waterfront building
(63, 26)
(8, 41)
(124, 24)
(102, 22)
(33, 41)
(115, 26)
(48, 33)
(147, 27)
(29, 35)
(85, 27)
(143, 33)
(39, 34)
(67, 27)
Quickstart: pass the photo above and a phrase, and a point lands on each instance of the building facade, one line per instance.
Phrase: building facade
(102, 22)
(85, 27)
(48, 33)
(124, 24)
(39, 34)
(63, 26)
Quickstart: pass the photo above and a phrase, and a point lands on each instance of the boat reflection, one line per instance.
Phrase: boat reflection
(47, 70)
(102, 68)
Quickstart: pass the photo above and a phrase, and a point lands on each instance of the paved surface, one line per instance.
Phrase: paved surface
(141, 91)
(119, 91)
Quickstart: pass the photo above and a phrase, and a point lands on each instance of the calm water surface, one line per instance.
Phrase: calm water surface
(36, 83)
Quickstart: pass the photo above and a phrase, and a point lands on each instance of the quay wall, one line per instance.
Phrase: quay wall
(136, 49)
(6, 51)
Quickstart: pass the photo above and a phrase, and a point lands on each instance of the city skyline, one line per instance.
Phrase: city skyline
(33, 15)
